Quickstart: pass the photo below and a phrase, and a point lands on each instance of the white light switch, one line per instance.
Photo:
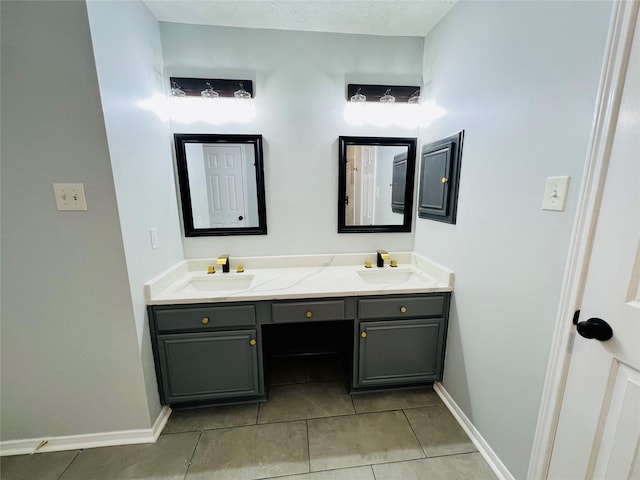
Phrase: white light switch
(154, 238)
(70, 196)
(555, 193)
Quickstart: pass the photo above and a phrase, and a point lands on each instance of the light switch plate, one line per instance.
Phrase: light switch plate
(70, 196)
(555, 193)
(154, 238)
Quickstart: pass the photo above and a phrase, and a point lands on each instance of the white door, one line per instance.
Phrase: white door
(368, 172)
(224, 170)
(598, 433)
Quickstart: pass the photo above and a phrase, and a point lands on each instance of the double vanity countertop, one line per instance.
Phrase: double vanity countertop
(296, 277)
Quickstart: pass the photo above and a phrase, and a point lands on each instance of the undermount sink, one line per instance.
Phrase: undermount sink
(379, 276)
(215, 283)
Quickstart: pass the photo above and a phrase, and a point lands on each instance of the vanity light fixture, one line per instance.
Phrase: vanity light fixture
(209, 92)
(358, 97)
(387, 97)
(203, 88)
(176, 91)
(357, 93)
(415, 98)
(242, 94)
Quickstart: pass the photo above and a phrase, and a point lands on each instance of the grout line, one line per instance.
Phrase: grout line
(67, 467)
(373, 472)
(415, 434)
(192, 455)
(306, 422)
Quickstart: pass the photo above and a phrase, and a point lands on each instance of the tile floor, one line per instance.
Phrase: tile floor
(310, 429)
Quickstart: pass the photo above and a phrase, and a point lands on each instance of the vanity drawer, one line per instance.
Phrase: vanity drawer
(305, 311)
(172, 319)
(411, 306)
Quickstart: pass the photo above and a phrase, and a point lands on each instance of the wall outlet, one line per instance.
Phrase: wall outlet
(555, 193)
(70, 196)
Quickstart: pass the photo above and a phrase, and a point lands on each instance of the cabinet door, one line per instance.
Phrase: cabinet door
(203, 366)
(440, 178)
(398, 352)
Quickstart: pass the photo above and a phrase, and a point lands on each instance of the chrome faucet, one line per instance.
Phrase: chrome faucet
(224, 261)
(381, 256)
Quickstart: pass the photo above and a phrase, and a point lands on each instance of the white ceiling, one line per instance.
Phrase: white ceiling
(374, 17)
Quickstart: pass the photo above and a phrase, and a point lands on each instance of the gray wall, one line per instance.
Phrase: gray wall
(128, 53)
(520, 78)
(70, 362)
(300, 86)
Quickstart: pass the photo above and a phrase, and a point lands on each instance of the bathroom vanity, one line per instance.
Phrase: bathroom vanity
(212, 334)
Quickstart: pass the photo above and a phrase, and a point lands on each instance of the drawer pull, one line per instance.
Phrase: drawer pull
(444, 180)
(403, 309)
(309, 314)
(363, 334)
(205, 320)
(252, 342)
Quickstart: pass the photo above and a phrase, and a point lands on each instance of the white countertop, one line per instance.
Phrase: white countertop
(291, 277)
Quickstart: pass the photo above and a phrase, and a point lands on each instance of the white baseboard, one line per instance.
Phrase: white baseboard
(91, 440)
(481, 444)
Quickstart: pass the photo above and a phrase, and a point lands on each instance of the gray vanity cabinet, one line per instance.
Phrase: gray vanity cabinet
(400, 340)
(207, 353)
(206, 366)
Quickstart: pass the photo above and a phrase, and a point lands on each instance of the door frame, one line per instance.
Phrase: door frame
(609, 95)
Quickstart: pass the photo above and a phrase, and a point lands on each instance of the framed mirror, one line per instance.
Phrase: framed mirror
(375, 184)
(221, 181)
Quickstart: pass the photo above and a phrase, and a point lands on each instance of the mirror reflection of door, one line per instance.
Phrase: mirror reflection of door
(361, 172)
(370, 185)
(221, 182)
(226, 189)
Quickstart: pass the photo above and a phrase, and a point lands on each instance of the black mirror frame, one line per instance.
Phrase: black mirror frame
(181, 139)
(410, 143)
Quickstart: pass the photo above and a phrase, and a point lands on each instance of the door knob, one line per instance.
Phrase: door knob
(595, 328)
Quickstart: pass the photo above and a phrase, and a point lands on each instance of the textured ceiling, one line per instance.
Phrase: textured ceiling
(373, 17)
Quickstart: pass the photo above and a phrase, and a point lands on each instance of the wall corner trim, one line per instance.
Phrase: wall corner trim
(481, 444)
(90, 440)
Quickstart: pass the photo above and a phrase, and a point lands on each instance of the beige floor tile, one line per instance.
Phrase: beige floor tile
(257, 451)
(358, 473)
(395, 400)
(308, 400)
(167, 459)
(356, 440)
(41, 466)
(287, 370)
(438, 431)
(324, 368)
(223, 416)
(455, 467)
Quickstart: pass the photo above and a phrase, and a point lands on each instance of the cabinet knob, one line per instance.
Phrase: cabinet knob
(444, 180)
(363, 334)
(309, 314)
(205, 320)
(252, 342)
(403, 309)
